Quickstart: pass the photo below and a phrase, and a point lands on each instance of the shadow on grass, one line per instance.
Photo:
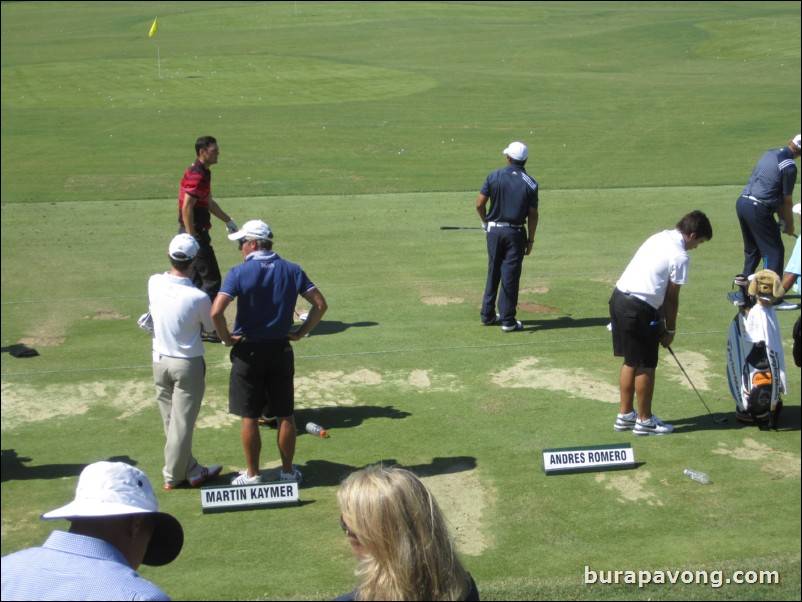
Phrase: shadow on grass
(789, 421)
(14, 468)
(344, 416)
(322, 473)
(19, 351)
(564, 322)
(335, 327)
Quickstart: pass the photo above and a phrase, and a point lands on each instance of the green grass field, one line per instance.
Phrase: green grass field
(356, 130)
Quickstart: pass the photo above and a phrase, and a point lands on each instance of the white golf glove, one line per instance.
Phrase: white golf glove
(145, 322)
(231, 226)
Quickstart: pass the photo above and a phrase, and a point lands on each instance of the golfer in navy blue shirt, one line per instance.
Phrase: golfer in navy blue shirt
(769, 191)
(510, 223)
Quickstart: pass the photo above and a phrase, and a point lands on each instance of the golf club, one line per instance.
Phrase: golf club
(460, 227)
(724, 419)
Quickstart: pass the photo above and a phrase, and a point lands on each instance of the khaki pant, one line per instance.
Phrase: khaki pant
(180, 385)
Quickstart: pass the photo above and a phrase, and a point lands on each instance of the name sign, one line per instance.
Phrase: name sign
(595, 458)
(247, 497)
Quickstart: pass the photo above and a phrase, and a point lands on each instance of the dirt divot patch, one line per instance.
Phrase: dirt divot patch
(335, 388)
(133, 396)
(424, 381)
(463, 501)
(108, 315)
(338, 388)
(441, 300)
(214, 411)
(22, 403)
(536, 308)
(42, 341)
(630, 488)
(526, 374)
(420, 379)
(775, 463)
(696, 365)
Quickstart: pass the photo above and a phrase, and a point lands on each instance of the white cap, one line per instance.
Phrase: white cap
(254, 229)
(797, 142)
(183, 247)
(107, 489)
(516, 151)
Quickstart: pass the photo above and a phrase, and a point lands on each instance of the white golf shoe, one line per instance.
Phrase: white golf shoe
(653, 426)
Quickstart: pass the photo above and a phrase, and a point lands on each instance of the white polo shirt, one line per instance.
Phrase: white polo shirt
(179, 310)
(660, 260)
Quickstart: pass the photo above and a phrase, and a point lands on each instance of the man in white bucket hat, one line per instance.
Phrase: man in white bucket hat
(115, 527)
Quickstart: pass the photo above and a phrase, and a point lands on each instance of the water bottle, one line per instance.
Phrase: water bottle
(697, 476)
(315, 429)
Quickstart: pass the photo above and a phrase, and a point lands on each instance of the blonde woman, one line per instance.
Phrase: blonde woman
(398, 534)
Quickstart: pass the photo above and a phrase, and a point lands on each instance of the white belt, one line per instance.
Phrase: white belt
(503, 225)
(751, 198)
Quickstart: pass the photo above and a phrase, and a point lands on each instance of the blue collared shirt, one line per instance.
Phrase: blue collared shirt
(73, 567)
(512, 193)
(266, 288)
(773, 178)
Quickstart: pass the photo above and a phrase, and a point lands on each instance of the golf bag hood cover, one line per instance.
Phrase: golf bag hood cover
(766, 285)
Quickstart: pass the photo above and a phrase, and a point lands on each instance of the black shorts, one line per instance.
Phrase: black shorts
(636, 330)
(262, 373)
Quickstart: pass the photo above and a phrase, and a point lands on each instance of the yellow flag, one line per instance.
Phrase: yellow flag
(154, 27)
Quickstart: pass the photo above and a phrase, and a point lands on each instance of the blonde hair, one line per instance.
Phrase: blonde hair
(408, 552)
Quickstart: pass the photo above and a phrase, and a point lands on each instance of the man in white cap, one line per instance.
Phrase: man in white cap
(115, 527)
(510, 224)
(262, 362)
(769, 191)
(180, 311)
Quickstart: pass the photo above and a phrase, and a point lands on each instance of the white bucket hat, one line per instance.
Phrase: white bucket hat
(108, 489)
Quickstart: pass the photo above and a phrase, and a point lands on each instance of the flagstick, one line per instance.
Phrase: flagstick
(159, 61)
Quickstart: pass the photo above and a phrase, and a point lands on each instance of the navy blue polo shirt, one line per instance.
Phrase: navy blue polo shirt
(266, 287)
(774, 176)
(512, 192)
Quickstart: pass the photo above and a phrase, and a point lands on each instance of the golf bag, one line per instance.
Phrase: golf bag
(753, 374)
